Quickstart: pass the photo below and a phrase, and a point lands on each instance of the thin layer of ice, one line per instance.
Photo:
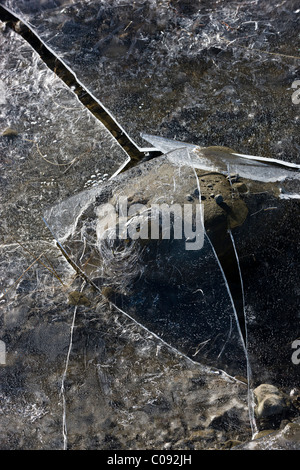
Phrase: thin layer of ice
(173, 289)
(49, 141)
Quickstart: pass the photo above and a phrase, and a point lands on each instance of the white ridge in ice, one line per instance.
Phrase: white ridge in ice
(249, 372)
(217, 159)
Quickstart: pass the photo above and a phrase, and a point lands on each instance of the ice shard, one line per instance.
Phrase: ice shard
(224, 160)
(142, 243)
(47, 136)
(266, 245)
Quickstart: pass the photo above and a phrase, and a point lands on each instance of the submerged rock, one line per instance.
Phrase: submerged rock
(78, 298)
(169, 281)
(287, 438)
(271, 406)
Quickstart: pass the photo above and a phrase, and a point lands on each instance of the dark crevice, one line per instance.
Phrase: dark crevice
(84, 97)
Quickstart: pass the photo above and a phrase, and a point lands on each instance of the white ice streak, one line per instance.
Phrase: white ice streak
(217, 159)
(62, 389)
(249, 371)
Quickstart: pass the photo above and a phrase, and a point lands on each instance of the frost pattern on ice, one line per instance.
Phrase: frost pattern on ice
(198, 70)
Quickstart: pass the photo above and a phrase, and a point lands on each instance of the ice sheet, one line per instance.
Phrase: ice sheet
(211, 74)
(50, 144)
(92, 374)
(168, 285)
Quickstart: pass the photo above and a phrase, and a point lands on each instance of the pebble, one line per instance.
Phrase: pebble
(241, 187)
(270, 401)
(219, 199)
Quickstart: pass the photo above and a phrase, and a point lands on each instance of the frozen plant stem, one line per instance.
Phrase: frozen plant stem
(51, 270)
(259, 51)
(27, 269)
(48, 161)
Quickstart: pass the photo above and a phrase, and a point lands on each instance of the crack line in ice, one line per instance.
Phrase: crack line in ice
(172, 348)
(215, 254)
(228, 337)
(70, 261)
(62, 389)
(249, 372)
(250, 397)
(47, 54)
(210, 370)
(86, 279)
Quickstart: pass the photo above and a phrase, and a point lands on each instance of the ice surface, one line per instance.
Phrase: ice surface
(117, 373)
(203, 72)
(86, 367)
(119, 381)
(51, 145)
(173, 289)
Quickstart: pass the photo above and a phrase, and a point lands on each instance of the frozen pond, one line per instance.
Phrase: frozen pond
(139, 341)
